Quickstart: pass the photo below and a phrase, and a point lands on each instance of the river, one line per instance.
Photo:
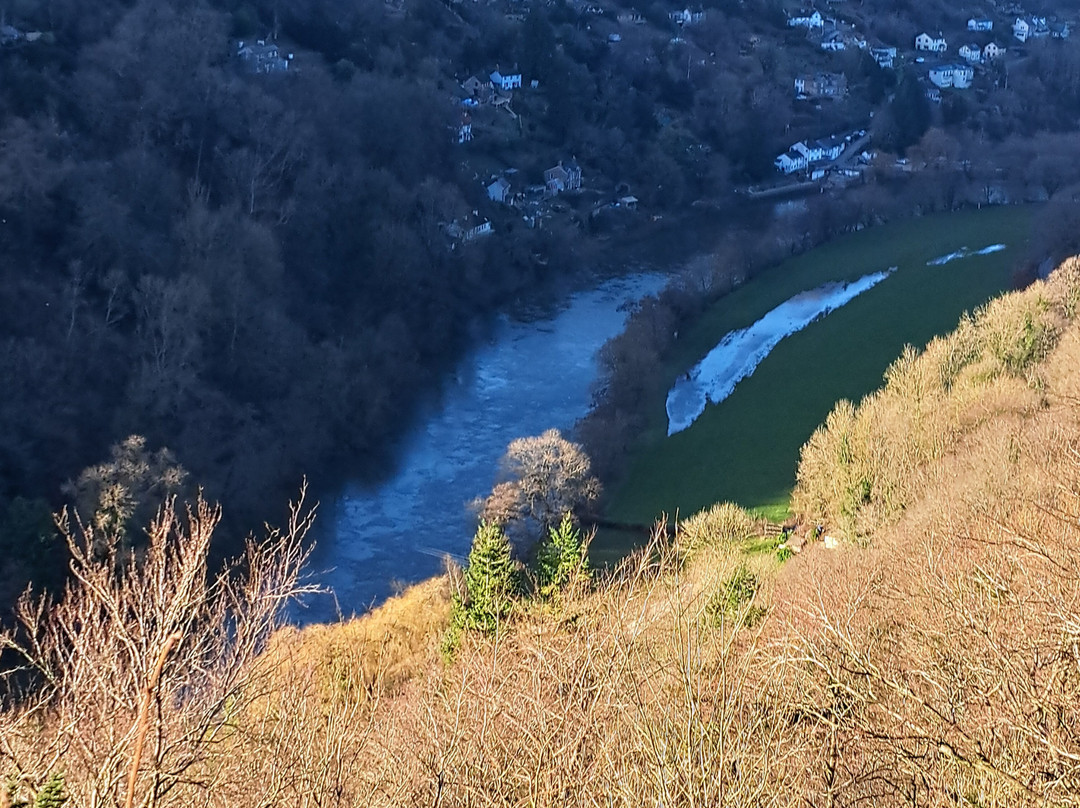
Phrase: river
(536, 371)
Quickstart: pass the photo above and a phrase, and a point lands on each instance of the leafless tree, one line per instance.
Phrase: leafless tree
(545, 477)
(133, 681)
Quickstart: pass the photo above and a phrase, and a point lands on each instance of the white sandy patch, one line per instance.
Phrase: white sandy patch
(964, 252)
(740, 352)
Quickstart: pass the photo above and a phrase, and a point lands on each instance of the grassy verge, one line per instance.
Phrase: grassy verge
(746, 448)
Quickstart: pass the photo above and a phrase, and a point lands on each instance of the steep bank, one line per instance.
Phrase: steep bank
(937, 661)
(932, 660)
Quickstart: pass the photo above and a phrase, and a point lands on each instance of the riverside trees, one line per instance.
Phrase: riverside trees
(544, 478)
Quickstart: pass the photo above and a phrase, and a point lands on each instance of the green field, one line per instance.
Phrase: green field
(745, 449)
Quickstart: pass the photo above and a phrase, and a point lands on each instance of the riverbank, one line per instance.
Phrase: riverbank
(745, 449)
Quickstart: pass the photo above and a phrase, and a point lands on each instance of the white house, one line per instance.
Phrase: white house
(806, 19)
(821, 85)
(805, 153)
(499, 191)
(473, 228)
(980, 24)
(509, 81)
(993, 51)
(1026, 28)
(790, 162)
(885, 57)
(465, 128)
(831, 147)
(563, 177)
(262, 56)
(952, 75)
(810, 151)
(686, 17)
(971, 53)
(925, 42)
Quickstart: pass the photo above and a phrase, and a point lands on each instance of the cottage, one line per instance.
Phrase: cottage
(1026, 28)
(1059, 30)
(628, 202)
(262, 57)
(472, 228)
(885, 57)
(810, 151)
(925, 42)
(980, 24)
(790, 162)
(952, 75)
(9, 34)
(464, 134)
(806, 19)
(831, 147)
(821, 85)
(993, 51)
(686, 17)
(499, 191)
(475, 87)
(509, 81)
(630, 18)
(563, 177)
(971, 53)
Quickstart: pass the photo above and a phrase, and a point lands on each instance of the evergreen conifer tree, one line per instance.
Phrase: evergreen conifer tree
(561, 558)
(491, 579)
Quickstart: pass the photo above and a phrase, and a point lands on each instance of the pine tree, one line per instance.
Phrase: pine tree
(491, 579)
(561, 558)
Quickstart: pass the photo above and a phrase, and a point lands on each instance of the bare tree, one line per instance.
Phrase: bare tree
(139, 673)
(544, 477)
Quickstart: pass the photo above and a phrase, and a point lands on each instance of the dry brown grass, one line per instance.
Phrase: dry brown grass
(370, 656)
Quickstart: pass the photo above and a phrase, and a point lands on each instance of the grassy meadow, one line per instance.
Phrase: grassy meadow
(746, 448)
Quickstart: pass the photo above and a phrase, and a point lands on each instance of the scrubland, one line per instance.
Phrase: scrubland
(931, 658)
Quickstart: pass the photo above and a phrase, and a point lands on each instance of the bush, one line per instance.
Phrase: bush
(723, 523)
(732, 602)
(51, 794)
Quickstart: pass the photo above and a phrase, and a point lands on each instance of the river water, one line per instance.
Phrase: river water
(535, 372)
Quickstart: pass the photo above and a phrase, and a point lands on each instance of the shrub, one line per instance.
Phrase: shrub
(51, 794)
(732, 602)
(723, 523)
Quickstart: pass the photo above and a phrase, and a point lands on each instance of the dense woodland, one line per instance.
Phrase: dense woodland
(251, 270)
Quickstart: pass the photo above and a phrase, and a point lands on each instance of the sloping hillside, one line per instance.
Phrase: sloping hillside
(931, 658)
